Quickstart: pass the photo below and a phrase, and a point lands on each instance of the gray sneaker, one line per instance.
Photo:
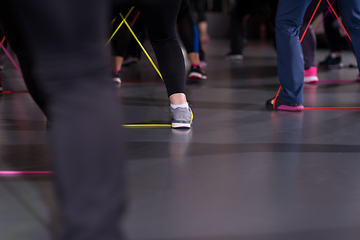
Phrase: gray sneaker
(181, 117)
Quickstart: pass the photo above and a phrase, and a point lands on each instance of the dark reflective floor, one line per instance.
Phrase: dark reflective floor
(242, 172)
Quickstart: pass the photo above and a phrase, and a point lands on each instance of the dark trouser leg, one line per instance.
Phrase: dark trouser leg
(289, 53)
(64, 43)
(351, 13)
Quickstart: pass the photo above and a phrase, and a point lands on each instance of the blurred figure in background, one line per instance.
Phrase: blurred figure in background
(239, 15)
(333, 37)
(202, 23)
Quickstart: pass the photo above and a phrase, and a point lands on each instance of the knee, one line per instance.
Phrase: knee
(287, 27)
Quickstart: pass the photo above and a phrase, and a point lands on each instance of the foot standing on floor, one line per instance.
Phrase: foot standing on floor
(161, 17)
(290, 61)
(309, 43)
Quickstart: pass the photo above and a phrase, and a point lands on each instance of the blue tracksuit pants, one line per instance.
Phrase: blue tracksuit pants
(290, 57)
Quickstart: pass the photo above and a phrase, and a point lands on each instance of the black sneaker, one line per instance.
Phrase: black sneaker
(283, 106)
(116, 78)
(196, 73)
(331, 62)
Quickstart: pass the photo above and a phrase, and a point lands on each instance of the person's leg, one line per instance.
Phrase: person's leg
(333, 38)
(20, 44)
(2, 53)
(133, 54)
(187, 30)
(71, 67)
(351, 17)
(237, 30)
(199, 6)
(160, 17)
(121, 39)
(309, 41)
(289, 53)
(189, 35)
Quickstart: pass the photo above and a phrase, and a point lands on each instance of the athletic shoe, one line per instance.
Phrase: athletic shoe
(310, 75)
(234, 56)
(332, 61)
(283, 106)
(196, 73)
(130, 60)
(181, 117)
(116, 78)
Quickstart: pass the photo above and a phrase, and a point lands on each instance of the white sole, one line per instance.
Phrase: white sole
(311, 79)
(196, 75)
(181, 125)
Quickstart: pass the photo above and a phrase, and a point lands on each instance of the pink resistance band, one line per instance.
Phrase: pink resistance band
(8, 54)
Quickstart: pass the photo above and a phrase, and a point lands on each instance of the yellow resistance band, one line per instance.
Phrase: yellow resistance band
(157, 70)
(117, 29)
(149, 125)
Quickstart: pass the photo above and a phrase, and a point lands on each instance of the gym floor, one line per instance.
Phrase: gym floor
(241, 172)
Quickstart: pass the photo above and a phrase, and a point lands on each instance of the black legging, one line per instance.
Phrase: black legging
(160, 17)
(121, 39)
(187, 29)
(185, 23)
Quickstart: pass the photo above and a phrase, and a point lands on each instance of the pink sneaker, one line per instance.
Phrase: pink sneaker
(310, 75)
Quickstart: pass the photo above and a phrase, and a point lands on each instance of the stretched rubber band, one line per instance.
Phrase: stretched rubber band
(9, 56)
(150, 125)
(336, 81)
(135, 19)
(323, 18)
(331, 108)
(25, 173)
(312, 17)
(277, 95)
(9, 92)
(332, 9)
(117, 29)
(128, 26)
